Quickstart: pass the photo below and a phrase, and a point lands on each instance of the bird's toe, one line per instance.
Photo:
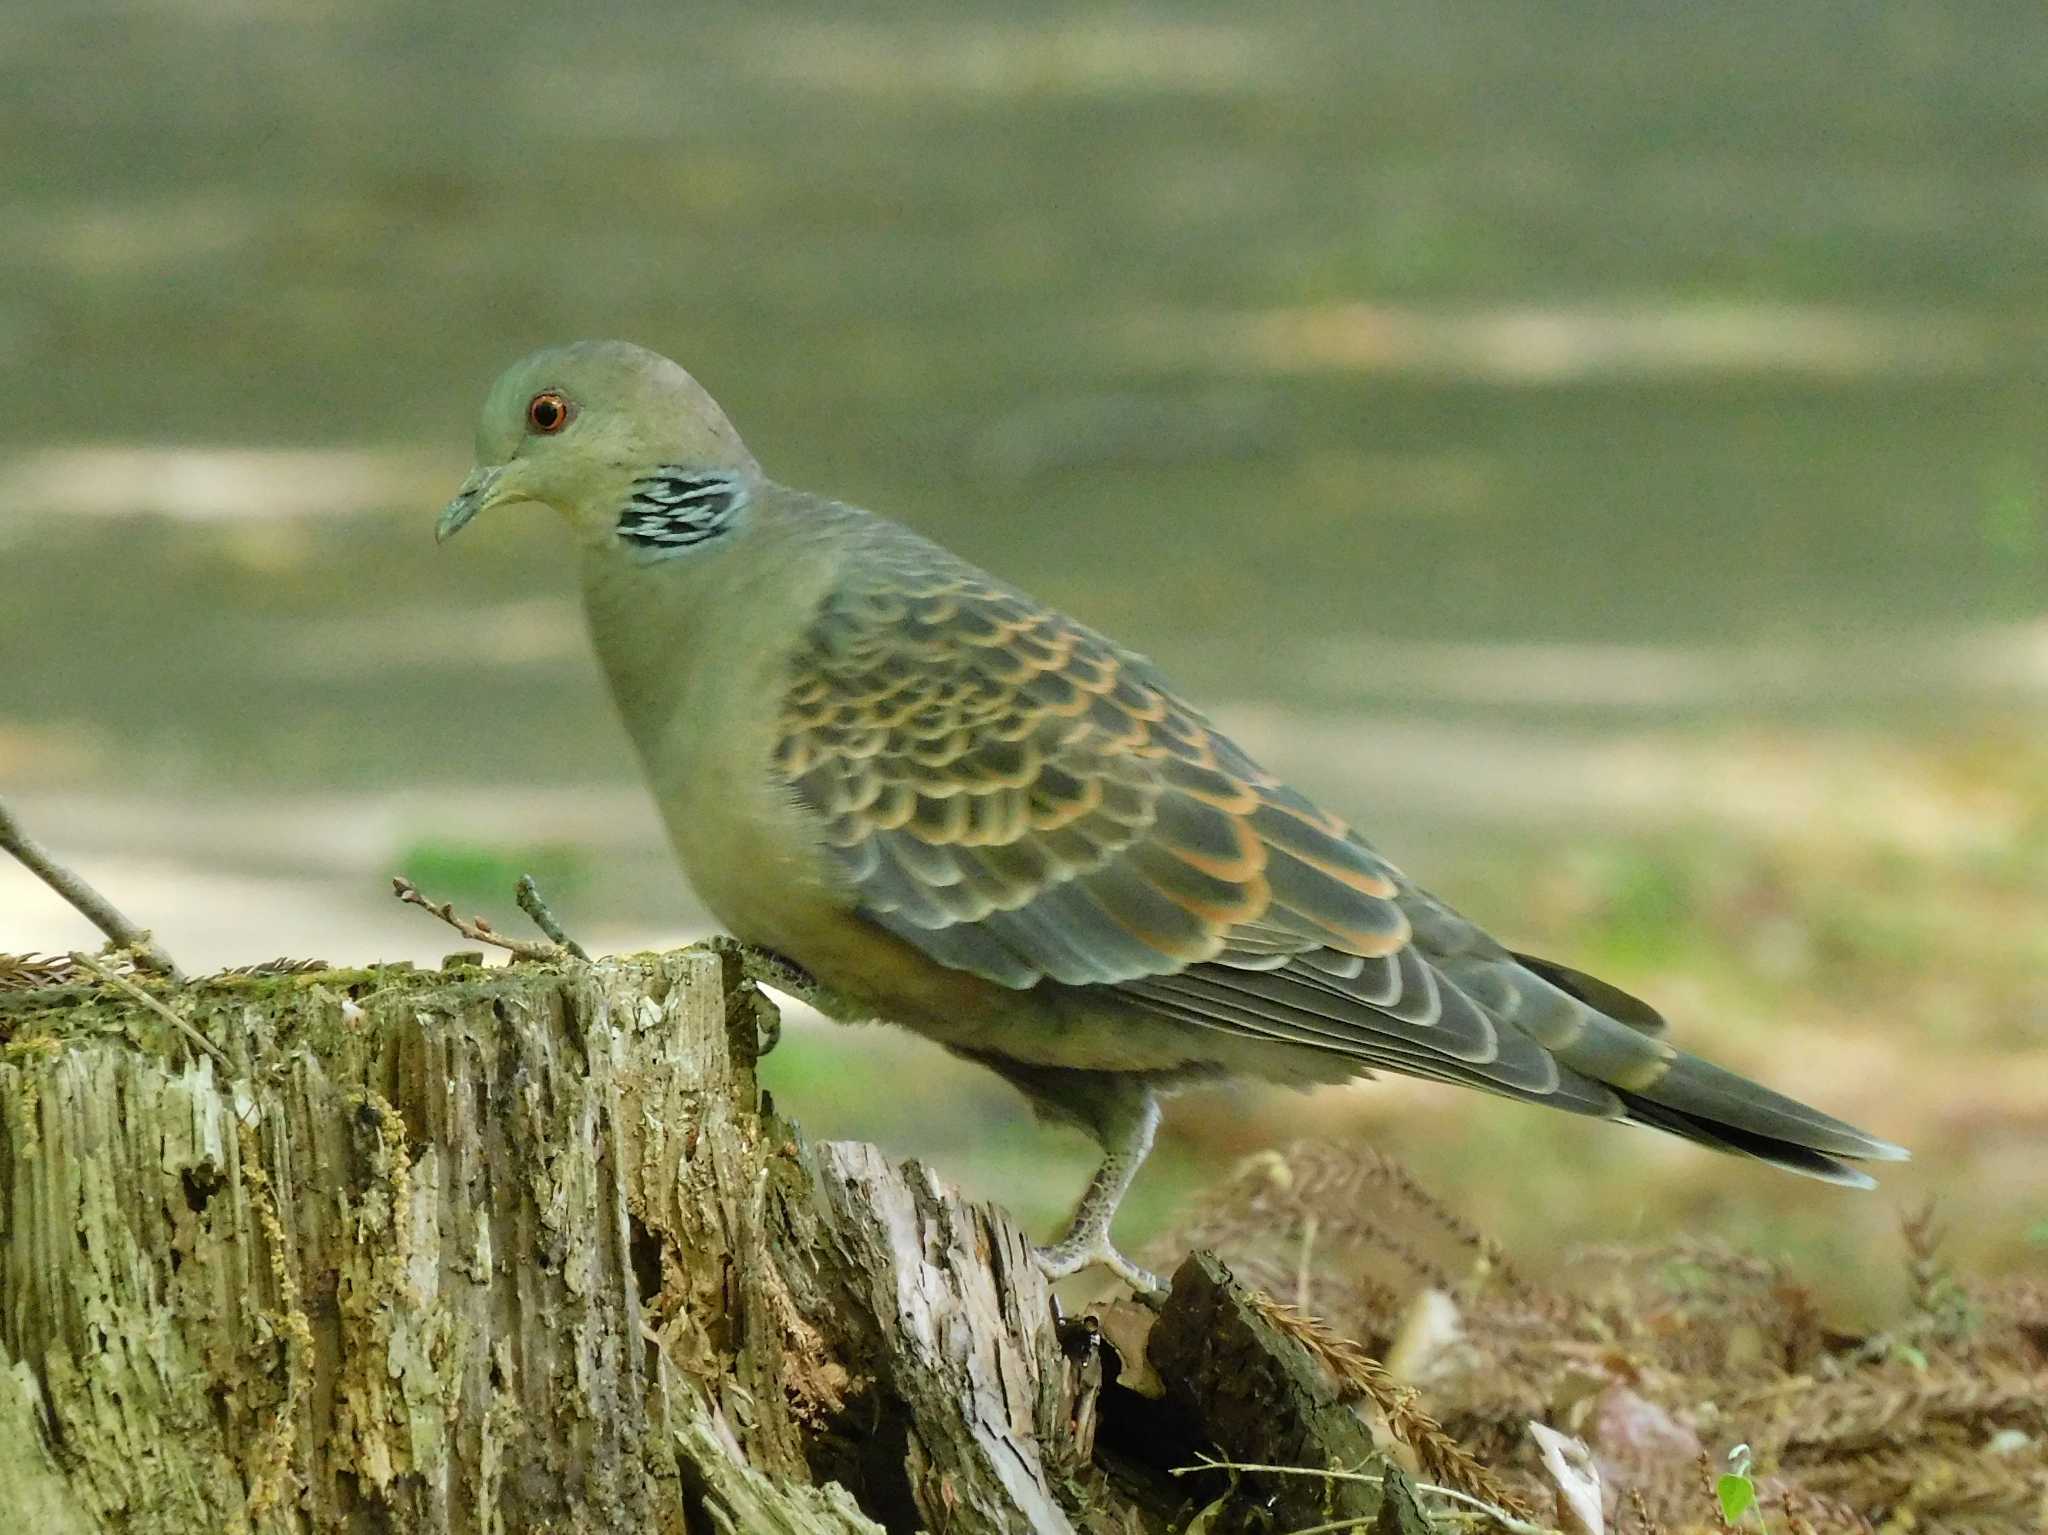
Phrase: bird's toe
(1096, 1251)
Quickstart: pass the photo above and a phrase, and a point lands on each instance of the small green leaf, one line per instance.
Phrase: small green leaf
(1737, 1495)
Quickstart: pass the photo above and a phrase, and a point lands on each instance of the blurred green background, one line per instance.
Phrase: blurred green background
(1599, 449)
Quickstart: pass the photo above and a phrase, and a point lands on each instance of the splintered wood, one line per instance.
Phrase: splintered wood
(519, 1249)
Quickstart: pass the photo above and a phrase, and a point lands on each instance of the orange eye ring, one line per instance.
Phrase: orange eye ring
(547, 412)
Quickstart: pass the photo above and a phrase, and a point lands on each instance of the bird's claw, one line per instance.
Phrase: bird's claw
(1079, 1252)
(767, 1017)
(756, 966)
(764, 967)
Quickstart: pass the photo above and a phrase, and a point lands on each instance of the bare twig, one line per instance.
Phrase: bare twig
(476, 928)
(135, 993)
(1499, 1516)
(96, 908)
(527, 894)
(1304, 1268)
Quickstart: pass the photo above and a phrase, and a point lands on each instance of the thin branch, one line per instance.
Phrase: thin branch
(527, 894)
(476, 929)
(1363, 1522)
(1500, 1516)
(135, 993)
(96, 908)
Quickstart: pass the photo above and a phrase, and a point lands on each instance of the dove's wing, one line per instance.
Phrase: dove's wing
(1020, 798)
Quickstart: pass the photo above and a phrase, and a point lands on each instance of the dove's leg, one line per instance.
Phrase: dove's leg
(1121, 1110)
(1087, 1239)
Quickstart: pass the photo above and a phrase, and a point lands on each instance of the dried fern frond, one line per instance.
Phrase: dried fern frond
(32, 972)
(1938, 1425)
(1315, 1221)
(1893, 1406)
(271, 967)
(1358, 1374)
(1934, 1488)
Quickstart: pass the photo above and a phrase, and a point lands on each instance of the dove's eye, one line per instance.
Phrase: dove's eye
(547, 412)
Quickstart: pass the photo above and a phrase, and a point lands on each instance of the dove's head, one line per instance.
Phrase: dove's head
(619, 440)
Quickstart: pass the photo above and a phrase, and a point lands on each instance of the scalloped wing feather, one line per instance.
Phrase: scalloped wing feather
(977, 759)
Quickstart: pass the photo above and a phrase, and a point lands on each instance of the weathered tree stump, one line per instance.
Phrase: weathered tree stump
(522, 1249)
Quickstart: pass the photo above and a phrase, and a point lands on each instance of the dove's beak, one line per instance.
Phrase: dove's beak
(478, 493)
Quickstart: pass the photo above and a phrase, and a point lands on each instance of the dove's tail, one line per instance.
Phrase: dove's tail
(1519, 1026)
(1702, 1102)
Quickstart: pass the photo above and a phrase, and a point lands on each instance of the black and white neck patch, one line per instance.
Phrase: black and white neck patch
(671, 511)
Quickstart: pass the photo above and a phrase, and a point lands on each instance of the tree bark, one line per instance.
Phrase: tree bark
(523, 1249)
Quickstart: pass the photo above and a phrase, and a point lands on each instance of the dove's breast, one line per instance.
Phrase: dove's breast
(699, 656)
(699, 686)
